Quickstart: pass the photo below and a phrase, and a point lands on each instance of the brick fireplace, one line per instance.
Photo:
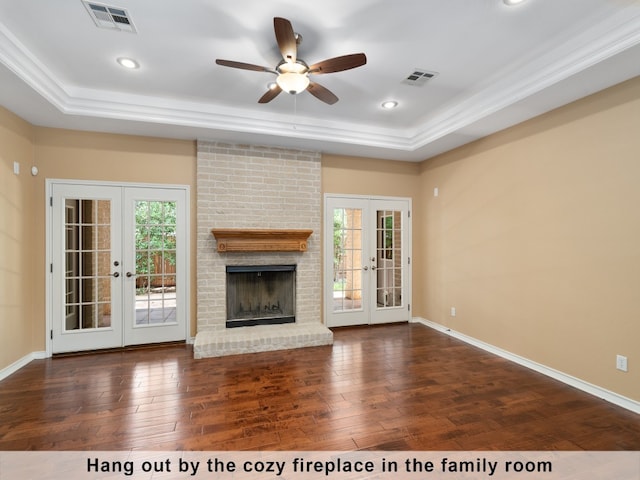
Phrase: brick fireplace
(250, 187)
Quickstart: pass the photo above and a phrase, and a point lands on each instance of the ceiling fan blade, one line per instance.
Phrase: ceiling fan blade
(286, 38)
(244, 66)
(322, 93)
(270, 95)
(338, 64)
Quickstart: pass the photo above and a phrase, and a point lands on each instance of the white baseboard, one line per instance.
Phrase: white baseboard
(587, 387)
(18, 364)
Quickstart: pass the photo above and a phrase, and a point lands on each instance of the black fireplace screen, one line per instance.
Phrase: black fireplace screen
(260, 295)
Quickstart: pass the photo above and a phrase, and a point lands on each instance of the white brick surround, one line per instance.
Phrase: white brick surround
(245, 186)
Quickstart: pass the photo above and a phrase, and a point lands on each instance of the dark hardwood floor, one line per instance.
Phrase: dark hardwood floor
(393, 387)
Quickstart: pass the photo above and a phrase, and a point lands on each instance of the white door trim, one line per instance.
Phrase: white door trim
(49, 255)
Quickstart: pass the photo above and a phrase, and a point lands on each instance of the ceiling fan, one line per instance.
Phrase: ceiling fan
(292, 72)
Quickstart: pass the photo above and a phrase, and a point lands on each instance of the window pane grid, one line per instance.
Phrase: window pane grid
(87, 264)
(155, 263)
(389, 259)
(347, 272)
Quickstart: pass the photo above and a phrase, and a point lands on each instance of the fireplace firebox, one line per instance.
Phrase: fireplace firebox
(260, 295)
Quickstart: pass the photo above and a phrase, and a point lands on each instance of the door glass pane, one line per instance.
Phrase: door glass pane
(388, 258)
(155, 263)
(347, 259)
(87, 283)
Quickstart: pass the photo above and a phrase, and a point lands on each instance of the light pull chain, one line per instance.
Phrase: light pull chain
(295, 111)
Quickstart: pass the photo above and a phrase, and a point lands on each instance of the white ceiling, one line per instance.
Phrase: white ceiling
(497, 66)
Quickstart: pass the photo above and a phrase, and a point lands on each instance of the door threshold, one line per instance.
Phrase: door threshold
(128, 348)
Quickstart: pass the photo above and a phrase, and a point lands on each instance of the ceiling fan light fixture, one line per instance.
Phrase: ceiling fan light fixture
(292, 82)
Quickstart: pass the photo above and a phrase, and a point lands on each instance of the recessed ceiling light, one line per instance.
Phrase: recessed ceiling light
(512, 2)
(390, 104)
(128, 63)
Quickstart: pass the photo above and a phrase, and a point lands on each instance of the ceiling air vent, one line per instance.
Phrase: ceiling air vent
(419, 77)
(114, 18)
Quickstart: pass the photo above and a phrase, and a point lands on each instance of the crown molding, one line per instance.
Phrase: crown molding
(116, 105)
(17, 58)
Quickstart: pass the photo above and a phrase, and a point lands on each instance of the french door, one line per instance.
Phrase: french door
(118, 265)
(367, 256)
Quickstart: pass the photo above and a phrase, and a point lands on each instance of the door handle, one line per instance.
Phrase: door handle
(373, 267)
(116, 274)
(129, 274)
(365, 268)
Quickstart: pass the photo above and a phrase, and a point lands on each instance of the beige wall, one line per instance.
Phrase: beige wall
(364, 176)
(535, 239)
(17, 227)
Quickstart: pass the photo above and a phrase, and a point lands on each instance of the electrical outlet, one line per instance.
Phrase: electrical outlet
(16, 168)
(621, 363)
(453, 311)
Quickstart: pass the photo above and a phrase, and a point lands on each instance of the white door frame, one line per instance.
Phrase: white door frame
(49, 254)
(328, 250)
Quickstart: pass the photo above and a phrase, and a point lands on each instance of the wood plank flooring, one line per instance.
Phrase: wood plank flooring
(392, 387)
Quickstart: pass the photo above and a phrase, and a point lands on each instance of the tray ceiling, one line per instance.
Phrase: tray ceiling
(490, 66)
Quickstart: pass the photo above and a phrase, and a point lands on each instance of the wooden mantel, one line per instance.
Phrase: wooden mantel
(261, 240)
